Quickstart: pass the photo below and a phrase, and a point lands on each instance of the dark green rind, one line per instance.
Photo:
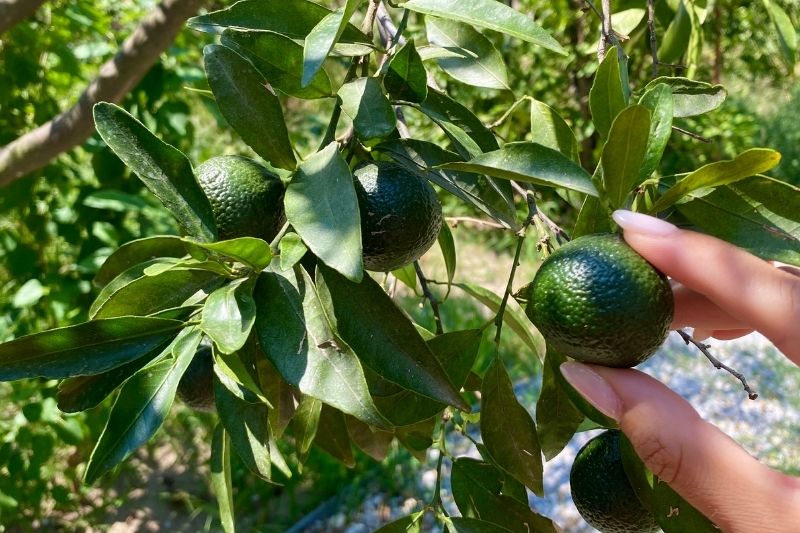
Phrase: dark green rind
(196, 388)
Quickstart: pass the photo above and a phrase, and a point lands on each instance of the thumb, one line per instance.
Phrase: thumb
(702, 464)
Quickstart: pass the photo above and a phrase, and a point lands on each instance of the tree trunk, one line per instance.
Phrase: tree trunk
(12, 12)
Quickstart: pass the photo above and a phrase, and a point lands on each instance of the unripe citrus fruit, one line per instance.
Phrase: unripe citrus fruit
(196, 387)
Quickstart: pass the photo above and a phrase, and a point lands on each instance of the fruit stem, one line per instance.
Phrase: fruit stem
(498, 321)
(717, 363)
(273, 246)
(426, 291)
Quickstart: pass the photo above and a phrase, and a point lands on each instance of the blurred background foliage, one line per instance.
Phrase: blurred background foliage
(58, 224)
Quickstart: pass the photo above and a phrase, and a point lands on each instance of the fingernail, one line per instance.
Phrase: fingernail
(594, 388)
(639, 223)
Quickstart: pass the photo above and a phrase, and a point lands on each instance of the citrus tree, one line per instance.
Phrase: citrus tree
(269, 307)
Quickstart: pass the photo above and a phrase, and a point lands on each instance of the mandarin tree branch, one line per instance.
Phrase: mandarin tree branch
(719, 365)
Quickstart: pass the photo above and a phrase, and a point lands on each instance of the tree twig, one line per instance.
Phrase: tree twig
(719, 365)
(607, 38)
(692, 135)
(472, 220)
(651, 29)
(432, 299)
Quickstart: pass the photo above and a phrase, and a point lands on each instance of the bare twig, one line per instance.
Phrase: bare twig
(651, 29)
(692, 135)
(432, 299)
(719, 365)
(454, 221)
(607, 38)
(551, 227)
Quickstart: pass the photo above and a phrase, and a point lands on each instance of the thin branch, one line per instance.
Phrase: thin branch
(559, 233)
(432, 299)
(115, 79)
(12, 12)
(692, 135)
(651, 28)
(607, 38)
(471, 220)
(719, 365)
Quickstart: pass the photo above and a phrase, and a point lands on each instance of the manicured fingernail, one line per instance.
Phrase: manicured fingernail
(594, 388)
(639, 223)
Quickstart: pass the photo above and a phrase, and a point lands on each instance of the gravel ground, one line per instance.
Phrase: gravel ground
(769, 428)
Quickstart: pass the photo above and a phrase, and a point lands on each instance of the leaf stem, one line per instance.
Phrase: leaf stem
(432, 299)
(719, 365)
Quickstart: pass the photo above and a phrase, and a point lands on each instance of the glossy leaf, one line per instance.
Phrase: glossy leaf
(474, 60)
(332, 436)
(228, 315)
(384, 338)
(660, 102)
(293, 18)
(691, 97)
(675, 41)
(161, 167)
(407, 275)
(248, 250)
(249, 104)
(407, 524)
(508, 431)
(748, 163)
(607, 96)
(141, 407)
(448, 247)
(491, 15)
(557, 419)
(84, 349)
(138, 251)
(366, 105)
(301, 343)
(787, 35)
(676, 515)
(462, 127)
(292, 250)
(460, 524)
(759, 214)
(373, 441)
(280, 60)
(320, 40)
(417, 438)
(221, 476)
(245, 419)
(322, 207)
(304, 424)
(624, 153)
(550, 130)
(592, 218)
(530, 163)
(406, 77)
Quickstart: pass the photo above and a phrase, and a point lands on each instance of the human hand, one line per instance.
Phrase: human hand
(727, 292)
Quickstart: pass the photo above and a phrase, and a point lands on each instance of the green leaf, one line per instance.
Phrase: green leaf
(374, 442)
(491, 15)
(475, 60)
(787, 35)
(624, 153)
(245, 419)
(161, 167)
(676, 515)
(141, 407)
(462, 127)
(332, 436)
(479, 491)
(459, 524)
(417, 438)
(557, 419)
(530, 163)
(84, 349)
(280, 60)
(305, 423)
(748, 163)
(138, 251)
(407, 524)
(293, 18)
(660, 102)
(300, 340)
(759, 214)
(228, 315)
(592, 218)
(407, 275)
(322, 207)
(251, 251)
(134, 292)
(28, 294)
(508, 431)
(448, 246)
(607, 97)
(320, 40)
(292, 250)
(384, 338)
(364, 102)
(550, 130)
(249, 104)
(676, 39)
(691, 97)
(640, 478)
(406, 77)
(221, 476)
(514, 316)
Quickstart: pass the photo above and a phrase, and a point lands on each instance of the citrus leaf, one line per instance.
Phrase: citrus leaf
(557, 419)
(249, 104)
(302, 344)
(550, 130)
(280, 60)
(448, 246)
(787, 35)
(161, 167)
(491, 15)
(320, 40)
(251, 251)
(676, 39)
(407, 524)
(461, 126)
(691, 97)
(141, 407)
(293, 18)
(624, 153)
(384, 338)
(372, 441)
(592, 218)
(660, 102)
(475, 61)
(245, 419)
(640, 478)
(406, 77)
(304, 425)
(407, 275)
(364, 102)
(292, 250)
(607, 97)
(530, 163)
(138, 251)
(417, 438)
(674, 514)
(748, 163)
(221, 476)
(228, 315)
(322, 207)
(459, 524)
(84, 349)
(332, 436)
(508, 431)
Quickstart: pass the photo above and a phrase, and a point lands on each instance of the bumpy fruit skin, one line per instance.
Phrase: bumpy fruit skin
(400, 215)
(196, 387)
(598, 301)
(601, 490)
(246, 198)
